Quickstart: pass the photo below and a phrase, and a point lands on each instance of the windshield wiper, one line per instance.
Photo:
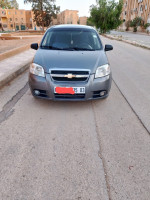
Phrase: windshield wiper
(78, 49)
(67, 49)
(51, 47)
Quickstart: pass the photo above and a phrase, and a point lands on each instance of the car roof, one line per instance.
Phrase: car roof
(63, 26)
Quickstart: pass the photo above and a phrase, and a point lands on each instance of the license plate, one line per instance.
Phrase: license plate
(69, 90)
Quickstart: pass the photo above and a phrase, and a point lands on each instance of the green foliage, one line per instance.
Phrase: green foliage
(105, 15)
(128, 24)
(146, 25)
(138, 21)
(43, 10)
(14, 4)
(5, 4)
(89, 22)
(134, 29)
(9, 4)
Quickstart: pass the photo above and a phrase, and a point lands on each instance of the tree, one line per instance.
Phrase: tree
(138, 21)
(14, 4)
(105, 15)
(9, 4)
(5, 4)
(128, 24)
(146, 25)
(89, 23)
(43, 10)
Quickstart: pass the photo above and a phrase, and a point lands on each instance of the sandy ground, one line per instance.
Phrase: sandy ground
(6, 45)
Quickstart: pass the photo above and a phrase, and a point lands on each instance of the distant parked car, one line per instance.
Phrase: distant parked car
(70, 64)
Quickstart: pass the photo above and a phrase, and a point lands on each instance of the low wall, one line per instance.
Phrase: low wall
(13, 52)
(9, 38)
(19, 33)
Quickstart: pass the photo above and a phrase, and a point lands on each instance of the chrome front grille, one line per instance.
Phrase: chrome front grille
(69, 75)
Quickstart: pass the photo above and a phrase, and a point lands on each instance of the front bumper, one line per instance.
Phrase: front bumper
(93, 87)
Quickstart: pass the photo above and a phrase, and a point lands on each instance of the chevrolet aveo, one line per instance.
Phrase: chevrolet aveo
(70, 64)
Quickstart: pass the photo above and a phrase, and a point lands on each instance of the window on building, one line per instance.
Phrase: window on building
(9, 12)
(141, 8)
(10, 19)
(16, 19)
(3, 12)
(146, 7)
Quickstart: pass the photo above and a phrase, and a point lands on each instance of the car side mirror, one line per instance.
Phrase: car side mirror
(34, 46)
(108, 47)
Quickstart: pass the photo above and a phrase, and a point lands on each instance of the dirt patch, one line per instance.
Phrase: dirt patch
(6, 45)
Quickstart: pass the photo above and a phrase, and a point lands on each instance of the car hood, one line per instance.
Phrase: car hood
(52, 59)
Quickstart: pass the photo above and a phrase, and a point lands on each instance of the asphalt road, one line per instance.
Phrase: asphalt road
(137, 37)
(96, 150)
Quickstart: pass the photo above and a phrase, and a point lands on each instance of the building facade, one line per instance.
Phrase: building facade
(83, 20)
(13, 19)
(69, 17)
(66, 17)
(136, 8)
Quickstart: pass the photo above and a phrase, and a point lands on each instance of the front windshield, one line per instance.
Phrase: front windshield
(72, 40)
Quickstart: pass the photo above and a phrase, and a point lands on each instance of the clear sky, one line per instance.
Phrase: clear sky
(81, 5)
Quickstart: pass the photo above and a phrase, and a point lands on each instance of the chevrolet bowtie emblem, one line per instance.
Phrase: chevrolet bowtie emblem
(69, 76)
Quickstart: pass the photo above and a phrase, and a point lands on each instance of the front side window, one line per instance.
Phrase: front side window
(72, 39)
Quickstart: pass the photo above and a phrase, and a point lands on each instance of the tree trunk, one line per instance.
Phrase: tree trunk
(42, 15)
(42, 25)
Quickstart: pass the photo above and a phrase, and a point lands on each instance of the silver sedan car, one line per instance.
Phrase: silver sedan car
(70, 64)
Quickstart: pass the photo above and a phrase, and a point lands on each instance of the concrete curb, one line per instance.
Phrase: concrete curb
(13, 52)
(9, 38)
(127, 41)
(14, 73)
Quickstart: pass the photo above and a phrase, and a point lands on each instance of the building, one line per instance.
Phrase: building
(29, 19)
(69, 17)
(83, 20)
(66, 17)
(3, 18)
(13, 19)
(136, 8)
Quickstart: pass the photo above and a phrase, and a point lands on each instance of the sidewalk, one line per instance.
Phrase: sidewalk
(141, 40)
(130, 32)
(15, 65)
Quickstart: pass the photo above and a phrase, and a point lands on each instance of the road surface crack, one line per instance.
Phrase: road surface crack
(7, 110)
(140, 120)
(101, 155)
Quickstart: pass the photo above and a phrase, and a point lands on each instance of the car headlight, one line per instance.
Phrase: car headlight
(102, 71)
(37, 70)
